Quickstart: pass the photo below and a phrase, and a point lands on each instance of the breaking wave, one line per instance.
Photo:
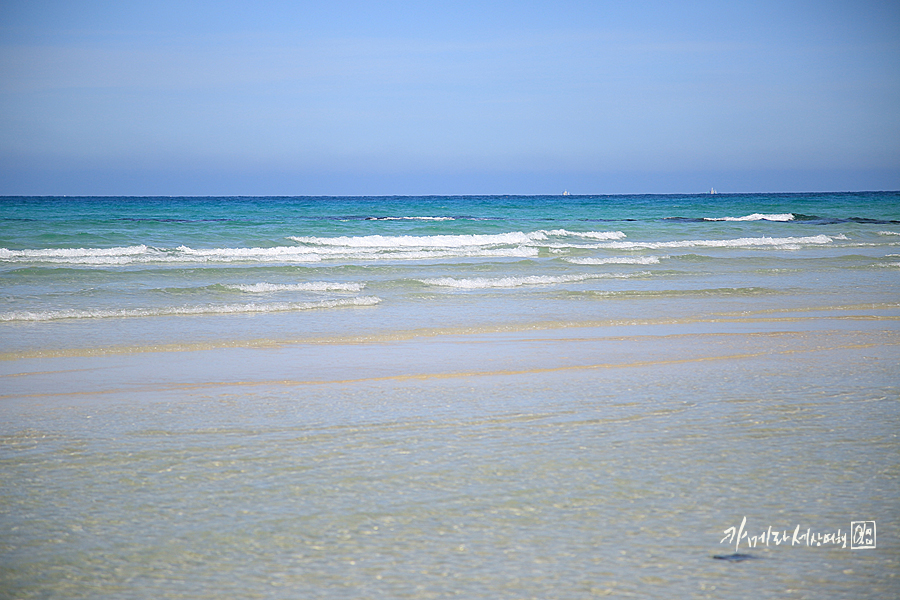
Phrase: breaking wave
(616, 260)
(405, 247)
(312, 286)
(785, 243)
(452, 241)
(410, 218)
(475, 283)
(755, 217)
(142, 254)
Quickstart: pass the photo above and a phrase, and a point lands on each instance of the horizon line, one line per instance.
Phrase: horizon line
(436, 195)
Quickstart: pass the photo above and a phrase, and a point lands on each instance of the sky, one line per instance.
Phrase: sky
(345, 97)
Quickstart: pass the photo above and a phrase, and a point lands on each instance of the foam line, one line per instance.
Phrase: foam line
(205, 309)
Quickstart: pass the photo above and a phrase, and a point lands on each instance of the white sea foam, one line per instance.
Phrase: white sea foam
(204, 309)
(786, 243)
(412, 247)
(616, 260)
(889, 233)
(411, 218)
(376, 247)
(755, 217)
(315, 249)
(83, 256)
(591, 235)
(5, 253)
(510, 282)
(311, 286)
(147, 255)
(275, 254)
(420, 241)
(452, 241)
(414, 253)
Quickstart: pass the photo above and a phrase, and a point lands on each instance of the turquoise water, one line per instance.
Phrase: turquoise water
(489, 397)
(93, 272)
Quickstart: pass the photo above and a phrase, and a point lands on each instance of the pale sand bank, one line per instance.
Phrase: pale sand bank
(555, 462)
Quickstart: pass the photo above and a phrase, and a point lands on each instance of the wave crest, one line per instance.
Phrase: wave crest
(616, 260)
(311, 286)
(511, 282)
(790, 243)
(755, 217)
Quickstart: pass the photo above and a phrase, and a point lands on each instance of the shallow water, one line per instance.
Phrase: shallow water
(535, 429)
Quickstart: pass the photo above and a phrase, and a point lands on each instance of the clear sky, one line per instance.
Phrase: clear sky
(464, 97)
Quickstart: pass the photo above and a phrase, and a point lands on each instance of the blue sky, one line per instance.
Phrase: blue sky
(343, 97)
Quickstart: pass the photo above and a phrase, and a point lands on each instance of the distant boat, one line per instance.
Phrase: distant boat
(713, 191)
(565, 192)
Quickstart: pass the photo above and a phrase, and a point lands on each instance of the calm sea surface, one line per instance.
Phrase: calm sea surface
(425, 397)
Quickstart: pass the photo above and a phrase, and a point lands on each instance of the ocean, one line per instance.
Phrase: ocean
(660, 396)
